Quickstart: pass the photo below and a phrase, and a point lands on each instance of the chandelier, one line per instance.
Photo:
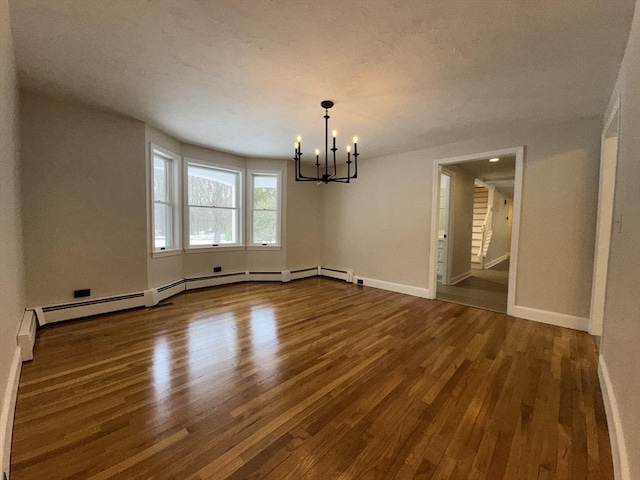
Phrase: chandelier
(329, 175)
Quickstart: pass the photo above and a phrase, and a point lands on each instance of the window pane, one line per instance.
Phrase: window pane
(264, 227)
(160, 167)
(163, 226)
(212, 187)
(265, 192)
(212, 226)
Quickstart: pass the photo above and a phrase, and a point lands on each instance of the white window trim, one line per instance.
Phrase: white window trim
(175, 191)
(250, 244)
(240, 202)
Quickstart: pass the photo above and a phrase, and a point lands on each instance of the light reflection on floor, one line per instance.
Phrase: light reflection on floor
(213, 341)
(161, 375)
(264, 339)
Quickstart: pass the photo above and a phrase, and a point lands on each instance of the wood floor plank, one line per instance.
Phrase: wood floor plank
(315, 379)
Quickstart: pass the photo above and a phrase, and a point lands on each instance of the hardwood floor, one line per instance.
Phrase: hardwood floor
(316, 379)
(484, 289)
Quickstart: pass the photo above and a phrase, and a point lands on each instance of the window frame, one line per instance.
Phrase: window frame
(240, 171)
(174, 199)
(251, 174)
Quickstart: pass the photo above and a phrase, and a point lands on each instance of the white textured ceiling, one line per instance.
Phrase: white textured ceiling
(246, 76)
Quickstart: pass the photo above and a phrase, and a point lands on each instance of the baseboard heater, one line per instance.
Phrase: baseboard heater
(264, 277)
(27, 335)
(346, 275)
(303, 273)
(69, 311)
(193, 283)
(151, 297)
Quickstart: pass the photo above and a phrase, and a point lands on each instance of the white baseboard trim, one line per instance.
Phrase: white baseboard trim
(552, 318)
(394, 287)
(27, 335)
(496, 261)
(8, 409)
(461, 277)
(621, 467)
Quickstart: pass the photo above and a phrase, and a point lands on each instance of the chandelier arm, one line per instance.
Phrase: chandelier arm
(326, 141)
(355, 164)
(334, 149)
(298, 166)
(299, 175)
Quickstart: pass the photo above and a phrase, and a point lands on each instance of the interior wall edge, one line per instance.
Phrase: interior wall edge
(551, 318)
(621, 468)
(8, 410)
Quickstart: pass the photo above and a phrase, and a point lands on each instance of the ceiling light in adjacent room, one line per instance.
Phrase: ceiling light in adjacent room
(495, 159)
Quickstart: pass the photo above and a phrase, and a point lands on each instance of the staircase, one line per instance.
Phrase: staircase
(480, 234)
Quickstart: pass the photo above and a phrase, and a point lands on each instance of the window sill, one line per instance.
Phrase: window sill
(231, 248)
(166, 253)
(264, 247)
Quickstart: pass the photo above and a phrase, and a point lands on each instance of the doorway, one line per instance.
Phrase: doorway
(477, 263)
(444, 227)
(604, 222)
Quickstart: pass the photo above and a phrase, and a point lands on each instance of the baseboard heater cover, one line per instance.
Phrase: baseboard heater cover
(171, 285)
(303, 273)
(158, 294)
(264, 277)
(346, 275)
(69, 311)
(193, 283)
(27, 335)
(310, 269)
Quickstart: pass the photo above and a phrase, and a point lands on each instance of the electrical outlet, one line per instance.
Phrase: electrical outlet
(618, 223)
(85, 292)
(217, 269)
(360, 281)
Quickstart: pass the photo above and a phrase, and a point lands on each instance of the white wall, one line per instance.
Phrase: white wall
(12, 296)
(379, 225)
(620, 344)
(84, 206)
(304, 221)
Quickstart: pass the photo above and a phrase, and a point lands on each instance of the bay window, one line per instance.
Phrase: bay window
(264, 208)
(214, 199)
(165, 192)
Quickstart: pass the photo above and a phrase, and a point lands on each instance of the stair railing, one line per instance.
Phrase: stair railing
(486, 234)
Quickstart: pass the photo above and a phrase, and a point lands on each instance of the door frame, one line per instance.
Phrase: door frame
(518, 152)
(446, 276)
(604, 220)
